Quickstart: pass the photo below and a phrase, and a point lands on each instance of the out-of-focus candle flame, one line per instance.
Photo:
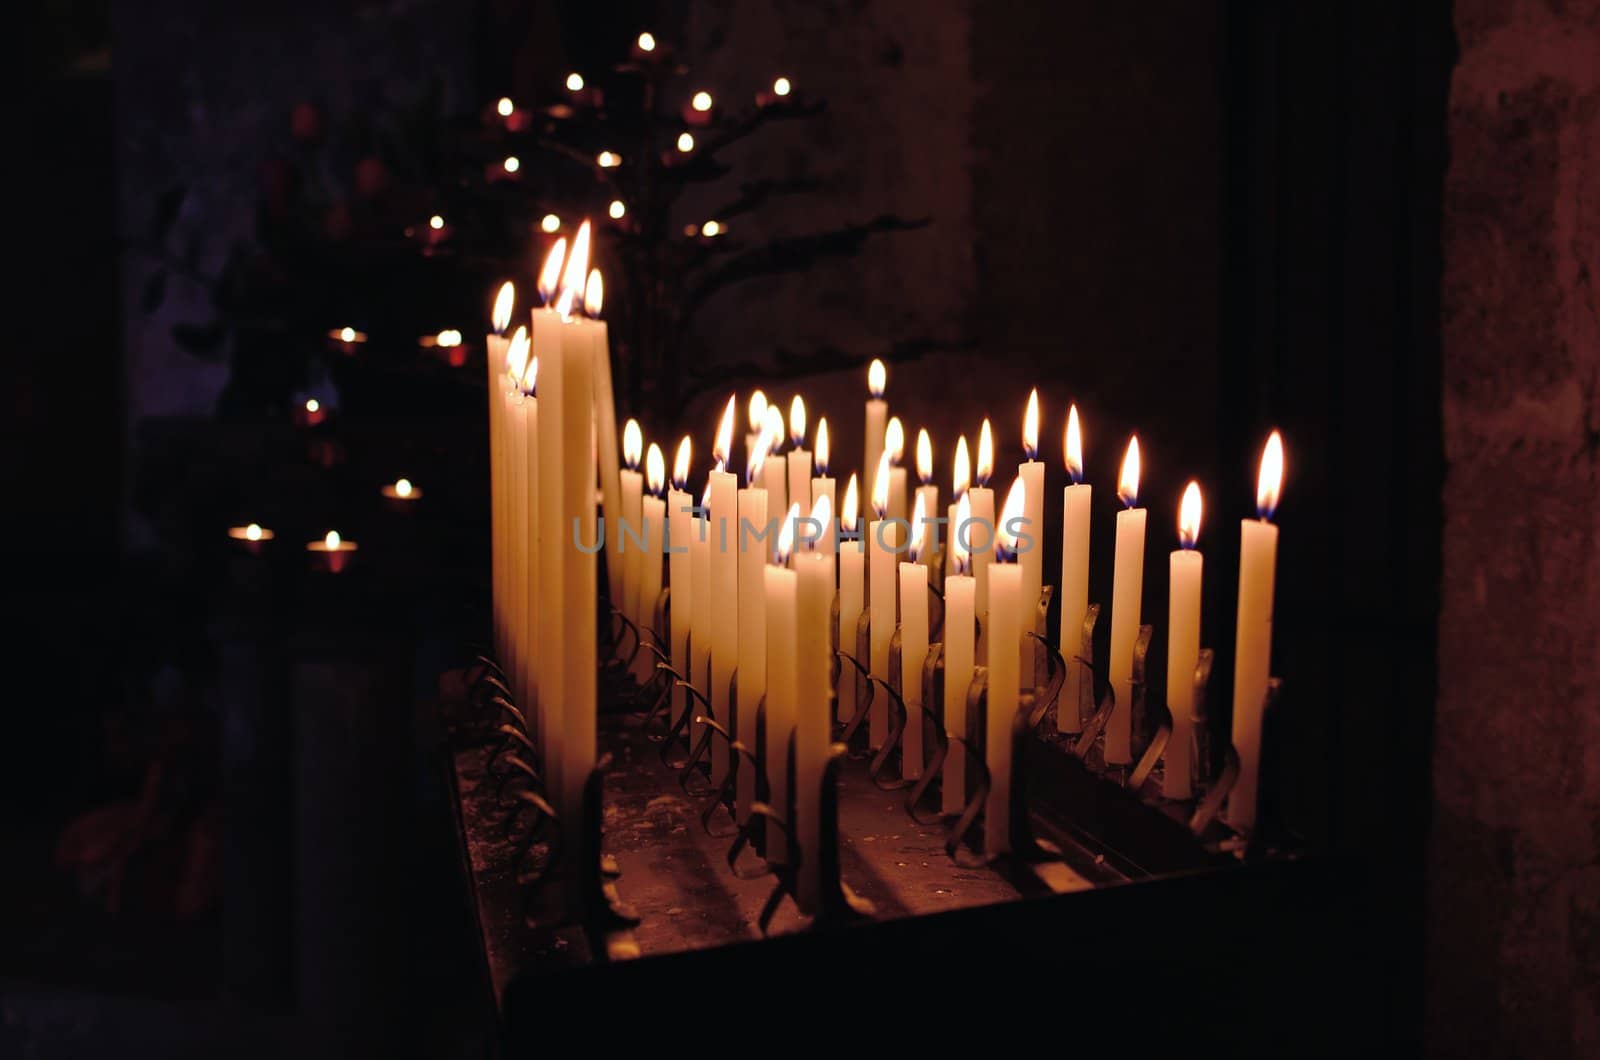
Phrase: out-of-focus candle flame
(550, 273)
(772, 427)
(680, 464)
(505, 107)
(850, 510)
(331, 541)
(1030, 426)
(349, 334)
(1269, 480)
(724, 443)
(312, 404)
(530, 377)
(759, 451)
(919, 527)
(504, 302)
(574, 82)
(632, 444)
(961, 535)
(402, 487)
(447, 338)
(1005, 538)
(512, 163)
(647, 42)
(894, 440)
(824, 448)
(550, 223)
(1189, 516)
(822, 515)
(253, 532)
(685, 142)
(924, 457)
(594, 295)
(781, 87)
(758, 411)
(701, 102)
(880, 486)
(786, 532)
(436, 222)
(961, 477)
(517, 354)
(576, 272)
(985, 452)
(608, 160)
(712, 229)
(1072, 446)
(618, 209)
(797, 422)
(1128, 480)
(655, 470)
(877, 378)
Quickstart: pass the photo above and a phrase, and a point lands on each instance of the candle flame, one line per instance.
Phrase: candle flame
(608, 160)
(565, 302)
(1072, 446)
(594, 295)
(618, 209)
(517, 355)
(550, 274)
(772, 427)
(1128, 480)
(1005, 539)
(724, 442)
(349, 334)
(1030, 426)
(647, 42)
(924, 457)
(824, 449)
(402, 487)
(550, 223)
(894, 440)
(877, 378)
(504, 302)
(680, 464)
(331, 541)
(632, 444)
(574, 82)
(685, 142)
(961, 536)
(512, 163)
(797, 422)
(880, 486)
(758, 411)
(436, 222)
(760, 449)
(253, 531)
(655, 470)
(530, 377)
(961, 478)
(576, 274)
(1269, 481)
(701, 102)
(1189, 515)
(786, 533)
(985, 452)
(822, 514)
(850, 510)
(505, 108)
(919, 527)
(781, 87)
(312, 404)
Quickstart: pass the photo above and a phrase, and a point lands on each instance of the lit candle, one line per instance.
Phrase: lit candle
(724, 588)
(654, 510)
(1074, 576)
(331, 552)
(700, 616)
(680, 538)
(515, 426)
(498, 346)
(401, 490)
(926, 534)
(527, 541)
(884, 544)
(605, 420)
(824, 486)
(877, 420)
(1005, 688)
(914, 640)
(894, 444)
(774, 468)
(627, 531)
(798, 460)
(345, 340)
(752, 607)
(1252, 667)
(959, 646)
(960, 479)
(1183, 645)
(782, 706)
(1030, 554)
(545, 335)
(251, 536)
(1127, 582)
(981, 536)
(758, 419)
(813, 727)
(852, 594)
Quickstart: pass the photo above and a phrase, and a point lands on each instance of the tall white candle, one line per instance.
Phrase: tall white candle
(1127, 583)
(725, 588)
(960, 481)
(852, 596)
(680, 529)
(798, 462)
(545, 335)
(1005, 688)
(894, 444)
(782, 697)
(654, 508)
(496, 346)
(822, 485)
(813, 727)
(527, 542)
(1075, 500)
(913, 645)
(877, 422)
(883, 548)
(700, 617)
(752, 609)
(959, 644)
(516, 419)
(1252, 668)
(625, 529)
(580, 591)
(981, 531)
(1183, 645)
(928, 497)
(1030, 550)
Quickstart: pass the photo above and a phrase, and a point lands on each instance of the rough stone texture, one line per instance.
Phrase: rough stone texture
(1514, 863)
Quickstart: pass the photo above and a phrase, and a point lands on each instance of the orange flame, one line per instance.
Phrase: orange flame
(680, 464)
(877, 378)
(632, 444)
(1128, 480)
(1269, 480)
(655, 470)
(1005, 538)
(724, 442)
(880, 486)
(985, 452)
(594, 295)
(850, 510)
(1189, 516)
(961, 477)
(550, 274)
(824, 449)
(1030, 426)
(504, 302)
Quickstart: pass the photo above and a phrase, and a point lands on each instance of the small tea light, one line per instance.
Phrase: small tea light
(332, 552)
(346, 340)
(402, 491)
(251, 537)
(309, 414)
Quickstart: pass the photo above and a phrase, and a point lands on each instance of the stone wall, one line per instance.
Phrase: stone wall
(1514, 861)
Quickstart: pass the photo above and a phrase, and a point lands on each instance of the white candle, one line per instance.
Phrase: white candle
(724, 588)
(545, 338)
(1127, 583)
(1258, 560)
(580, 592)
(1074, 578)
(981, 533)
(782, 706)
(883, 547)
(700, 618)
(497, 346)
(1005, 688)
(960, 481)
(605, 418)
(516, 428)
(928, 497)
(798, 462)
(625, 525)
(894, 444)
(852, 597)
(877, 422)
(680, 532)
(1030, 549)
(959, 645)
(813, 727)
(1183, 645)
(824, 486)
(913, 646)
(752, 610)
(644, 663)
(528, 540)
